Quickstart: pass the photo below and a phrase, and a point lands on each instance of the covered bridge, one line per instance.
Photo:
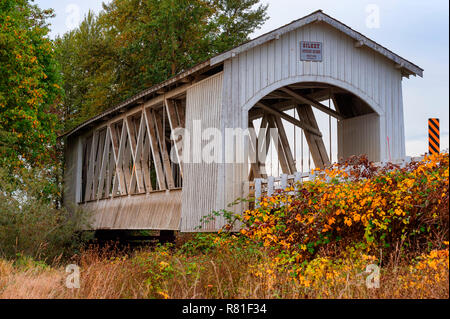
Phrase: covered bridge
(122, 164)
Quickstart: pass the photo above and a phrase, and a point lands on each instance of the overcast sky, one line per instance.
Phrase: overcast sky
(416, 30)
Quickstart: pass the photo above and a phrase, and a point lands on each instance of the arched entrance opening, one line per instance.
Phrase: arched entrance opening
(305, 125)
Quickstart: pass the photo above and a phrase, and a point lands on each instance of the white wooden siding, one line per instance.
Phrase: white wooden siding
(72, 171)
(362, 71)
(202, 191)
(252, 74)
(359, 135)
(223, 101)
(159, 210)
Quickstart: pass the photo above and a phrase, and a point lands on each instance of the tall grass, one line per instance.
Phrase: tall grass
(167, 273)
(326, 241)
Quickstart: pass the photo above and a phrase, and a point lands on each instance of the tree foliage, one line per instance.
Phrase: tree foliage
(86, 60)
(29, 85)
(134, 44)
(234, 20)
(31, 224)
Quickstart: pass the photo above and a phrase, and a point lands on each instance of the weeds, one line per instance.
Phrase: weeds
(331, 238)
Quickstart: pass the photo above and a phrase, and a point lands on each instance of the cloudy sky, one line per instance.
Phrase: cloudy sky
(417, 30)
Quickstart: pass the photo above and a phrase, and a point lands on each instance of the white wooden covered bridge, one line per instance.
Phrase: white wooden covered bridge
(118, 163)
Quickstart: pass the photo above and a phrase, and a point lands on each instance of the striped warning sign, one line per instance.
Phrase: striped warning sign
(433, 135)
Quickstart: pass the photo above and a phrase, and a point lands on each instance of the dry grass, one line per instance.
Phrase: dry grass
(222, 273)
(284, 251)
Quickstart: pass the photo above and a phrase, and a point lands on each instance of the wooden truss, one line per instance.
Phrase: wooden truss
(272, 118)
(131, 155)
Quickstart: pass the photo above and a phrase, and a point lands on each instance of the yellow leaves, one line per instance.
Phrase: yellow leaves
(306, 283)
(375, 205)
(285, 244)
(369, 258)
(163, 265)
(433, 254)
(430, 270)
(408, 182)
(163, 294)
(347, 221)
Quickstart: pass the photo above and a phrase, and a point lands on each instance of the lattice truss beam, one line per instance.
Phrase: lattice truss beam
(131, 155)
(271, 115)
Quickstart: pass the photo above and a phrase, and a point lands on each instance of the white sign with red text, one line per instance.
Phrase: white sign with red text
(311, 51)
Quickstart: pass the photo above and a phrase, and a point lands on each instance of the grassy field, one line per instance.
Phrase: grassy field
(221, 273)
(351, 233)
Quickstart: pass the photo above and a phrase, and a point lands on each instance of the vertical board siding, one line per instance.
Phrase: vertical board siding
(72, 169)
(201, 194)
(359, 135)
(159, 210)
(361, 70)
(366, 72)
(223, 100)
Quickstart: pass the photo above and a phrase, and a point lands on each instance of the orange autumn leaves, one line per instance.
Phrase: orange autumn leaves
(429, 273)
(355, 202)
(29, 87)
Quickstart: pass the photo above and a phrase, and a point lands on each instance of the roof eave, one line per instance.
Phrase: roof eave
(138, 96)
(319, 16)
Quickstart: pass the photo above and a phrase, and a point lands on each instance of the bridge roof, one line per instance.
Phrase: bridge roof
(407, 68)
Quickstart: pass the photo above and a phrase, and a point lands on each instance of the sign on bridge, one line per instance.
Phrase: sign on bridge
(311, 51)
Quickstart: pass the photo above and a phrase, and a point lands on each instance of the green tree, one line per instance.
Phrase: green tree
(134, 44)
(87, 60)
(155, 39)
(29, 86)
(234, 20)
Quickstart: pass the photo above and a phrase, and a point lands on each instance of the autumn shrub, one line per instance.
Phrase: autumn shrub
(237, 268)
(31, 225)
(356, 231)
(215, 268)
(427, 276)
(386, 211)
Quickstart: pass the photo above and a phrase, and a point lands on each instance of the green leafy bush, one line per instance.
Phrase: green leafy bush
(30, 222)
